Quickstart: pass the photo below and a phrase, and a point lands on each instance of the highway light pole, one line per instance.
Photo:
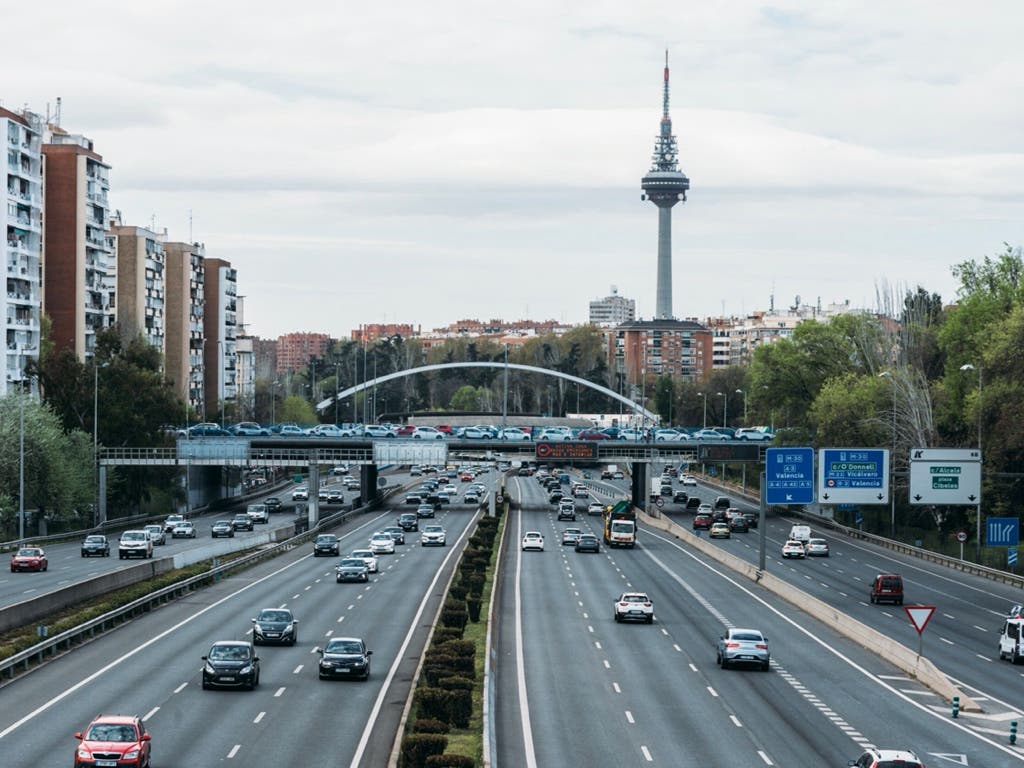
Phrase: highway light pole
(705, 396)
(744, 393)
(504, 399)
(725, 408)
(977, 538)
(21, 469)
(892, 456)
(337, 379)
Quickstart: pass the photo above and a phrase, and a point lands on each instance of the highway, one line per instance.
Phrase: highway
(575, 687)
(152, 665)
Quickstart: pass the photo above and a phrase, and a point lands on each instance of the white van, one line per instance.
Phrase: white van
(1009, 638)
(801, 533)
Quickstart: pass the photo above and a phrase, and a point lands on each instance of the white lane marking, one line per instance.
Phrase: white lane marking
(615, 687)
(590, 628)
(736, 721)
(676, 646)
(234, 751)
(629, 717)
(279, 692)
(606, 664)
(646, 753)
(712, 691)
(351, 607)
(763, 756)
(297, 670)
(693, 667)
(340, 619)
(950, 642)
(295, 597)
(980, 629)
(949, 616)
(149, 714)
(180, 688)
(259, 717)
(597, 645)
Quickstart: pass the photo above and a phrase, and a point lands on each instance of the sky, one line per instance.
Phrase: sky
(422, 163)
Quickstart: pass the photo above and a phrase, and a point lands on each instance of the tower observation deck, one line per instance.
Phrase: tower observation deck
(665, 185)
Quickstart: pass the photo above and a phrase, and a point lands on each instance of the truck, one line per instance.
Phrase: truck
(620, 525)
(655, 488)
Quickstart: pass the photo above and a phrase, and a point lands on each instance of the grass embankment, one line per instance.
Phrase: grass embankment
(445, 725)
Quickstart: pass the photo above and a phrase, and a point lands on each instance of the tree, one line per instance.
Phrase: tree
(296, 409)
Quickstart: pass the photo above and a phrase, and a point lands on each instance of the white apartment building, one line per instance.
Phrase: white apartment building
(612, 310)
(22, 245)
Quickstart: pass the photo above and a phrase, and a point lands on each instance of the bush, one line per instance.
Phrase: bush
(456, 684)
(433, 703)
(460, 708)
(473, 606)
(458, 648)
(450, 761)
(444, 634)
(475, 583)
(435, 668)
(417, 748)
(454, 614)
(429, 725)
(458, 592)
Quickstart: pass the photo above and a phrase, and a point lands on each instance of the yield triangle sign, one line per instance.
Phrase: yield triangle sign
(919, 615)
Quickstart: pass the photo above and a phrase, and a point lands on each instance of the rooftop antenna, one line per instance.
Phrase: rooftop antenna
(56, 114)
(190, 225)
(771, 298)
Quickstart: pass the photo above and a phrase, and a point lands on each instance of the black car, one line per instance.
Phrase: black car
(345, 657)
(242, 522)
(351, 569)
(396, 533)
(231, 664)
(325, 544)
(588, 542)
(96, 545)
(555, 496)
(738, 523)
(751, 518)
(409, 521)
(680, 497)
(426, 510)
(275, 625)
(693, 504)
(222, 528)
(273, 504)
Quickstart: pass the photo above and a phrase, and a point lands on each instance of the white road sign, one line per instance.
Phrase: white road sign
(945, 454)
(945, 482)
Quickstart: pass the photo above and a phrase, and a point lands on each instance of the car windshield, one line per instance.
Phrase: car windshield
(587, 537)
(229, 653)
(28, 552)
(344, 646)
(326, 539)
(353, 562)
(133, 536)
(109, 732)
(275, 616)
(94, 539)
(634, 598)
(433, 529)
(363, 553)
(222, 522)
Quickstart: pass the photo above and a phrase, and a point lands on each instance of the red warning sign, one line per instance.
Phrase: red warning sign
(919, 615)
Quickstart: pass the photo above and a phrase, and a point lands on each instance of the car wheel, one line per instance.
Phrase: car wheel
(900, 601)
(618, 618)
(725, 663)
(48, 565)
(295, 639)
(338, 580)
(650, 619)
(765, 666)
(206, 686)
(321, 675)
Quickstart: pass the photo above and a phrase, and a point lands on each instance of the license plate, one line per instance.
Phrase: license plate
(226, 678)
(637, 613)
(748, 657)
(106, 764)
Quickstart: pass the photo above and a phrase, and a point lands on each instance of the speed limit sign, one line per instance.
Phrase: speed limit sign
(961, 536)
(659, 501)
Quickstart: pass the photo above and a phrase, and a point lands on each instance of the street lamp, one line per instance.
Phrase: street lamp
(504, 400)
(892, 456)
(725, 408)
(273, 400)
(220, 379)
(744, 393)
(977, 540)
(705, 396)
(337, 379)
(21, 469)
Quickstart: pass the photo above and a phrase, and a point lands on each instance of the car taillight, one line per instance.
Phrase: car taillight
(732, 645)
(762, 646)
(647, 605)
(623, 605)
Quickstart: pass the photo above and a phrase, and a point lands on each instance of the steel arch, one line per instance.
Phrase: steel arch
(325, 404)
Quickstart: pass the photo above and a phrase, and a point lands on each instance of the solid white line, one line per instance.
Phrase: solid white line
(259, 717)
(712, 691)
(279, 692)
(524, 702)
(234, 750)
(693, 667)
(950, 642)
(180, 688)
(149, 714)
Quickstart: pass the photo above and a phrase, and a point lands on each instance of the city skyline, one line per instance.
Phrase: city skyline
(409, 171)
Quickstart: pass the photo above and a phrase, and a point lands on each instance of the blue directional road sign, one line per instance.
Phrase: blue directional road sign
(1011, 557)
(789, 476)
(1002, 532)
(853, 476)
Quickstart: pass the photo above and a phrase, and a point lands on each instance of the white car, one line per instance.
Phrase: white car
(533, 540)
(450, 489)
(258, 513)
(156, 534)
(704, 509)
(512, 433)
(632, 435)
(184, 530)
(300, 494)
(688, 480)
(382, 544)
(595, 508)
(376, 431)
(171, 521)
(752, 434)
(554, 435)
(816, 548)
(670, 435)
(427, 433)
(367, 556)
(329, 430)
(793, 548)
(433, 535)
(634, 606)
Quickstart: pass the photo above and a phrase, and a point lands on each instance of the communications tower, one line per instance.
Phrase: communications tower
(665, 185)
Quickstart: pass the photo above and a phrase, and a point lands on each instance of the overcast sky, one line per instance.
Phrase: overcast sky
(427, 162)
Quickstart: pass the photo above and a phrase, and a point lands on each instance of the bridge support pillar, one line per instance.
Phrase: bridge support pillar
(313, 507)
(101, 510)
(640, 487)
(368, 483)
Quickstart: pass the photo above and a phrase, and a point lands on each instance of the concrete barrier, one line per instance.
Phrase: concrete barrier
(918, 667)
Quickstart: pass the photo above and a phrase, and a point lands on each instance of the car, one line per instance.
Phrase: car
(472, 496)
(134, 544)
(571, 536)
(606, 474)
(116, 740)
(618, 475)
(708, 434)
(325, 544)
(801, 533)
(223, 528)
(887, 587)
(450, 489)
(688, 480)
(184, 530)
(414, 498)
(231, 664)
(408, 521)
(396, 532)
(322, 494)
(555, 496)
(816, 548)
(670, 435)
(554, 435)
(29, 559)
(566, 511)
(751, 518)
(443, 497)
(743, 646)
(738, 524)
(382, 543)
(471, 433)
(98, 546)
(273, 504)
(679, 497)
(588, 542)
(367, 556)
(533, 540)
(335, 496)
(632, 435)
(719, 531)
(595, 508)
(275, 625)
(425, 510)
(300, 494)
(344, 657)
(433, 535)
(887, 758)
(513, 433)
(704, 509)
(722, 502)
(156, 533)
(426, 433)
(592, 434)
(351, 483)
(754, 435)
(702, 522)
(693, 504)
(242, 522)
(633, 606)
(351, 569)
(171, 521)
(330, 430)
(581, 492)
(248, 429)
(207, 429)
(794, 548)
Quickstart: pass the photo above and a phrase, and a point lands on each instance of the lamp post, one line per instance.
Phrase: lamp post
(705, 396)
(21, 469)
(744, 393)
(725, 408)
(892, 456)
(977, 538)
(504, 400)
(220, 379)
(337, 379)
(273, 400)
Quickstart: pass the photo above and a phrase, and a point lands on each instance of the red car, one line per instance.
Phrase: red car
(405, 431)
(118, 740)
(29, 559)
(702, 521)
(446, 428)
(591, 434)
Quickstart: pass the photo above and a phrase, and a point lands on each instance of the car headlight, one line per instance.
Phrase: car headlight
(257, 629)
(245, 670)
(131, 754)
(208, 669)
(84, 753)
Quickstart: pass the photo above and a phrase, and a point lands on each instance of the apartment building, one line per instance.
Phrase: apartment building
(373, 331)
(183, 321)
(612, 310)
(78, 292)
(295, 350)
(220, 327)
(140, 279)
(21, 303)
(681, 349)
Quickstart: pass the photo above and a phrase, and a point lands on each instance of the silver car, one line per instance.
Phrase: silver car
(156, 534)
(743, 646)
